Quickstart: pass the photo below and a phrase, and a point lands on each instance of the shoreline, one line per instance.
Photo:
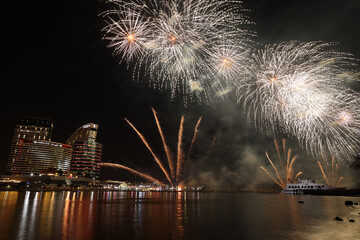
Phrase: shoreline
(349, 193)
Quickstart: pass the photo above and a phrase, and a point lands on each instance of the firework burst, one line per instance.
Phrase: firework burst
(295, 88)
(179, 42)
(127, 32)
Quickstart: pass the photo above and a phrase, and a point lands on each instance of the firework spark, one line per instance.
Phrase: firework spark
(286, 163)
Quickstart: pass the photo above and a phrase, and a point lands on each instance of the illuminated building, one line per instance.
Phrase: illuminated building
(28, 128)
(35, 156)
(86, 151)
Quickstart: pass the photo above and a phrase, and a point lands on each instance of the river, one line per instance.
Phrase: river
(170, 215)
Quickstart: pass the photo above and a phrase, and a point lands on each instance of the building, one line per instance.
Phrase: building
(33, 157)
(87, 152)
(85, 133)
(85, 159)
(31, 129)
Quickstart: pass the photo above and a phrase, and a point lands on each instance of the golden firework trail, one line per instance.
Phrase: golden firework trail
(176, 170)
(286, 164)
(180, 154)
(157, 160)
(146, 176)
(192, 143)
(166, 146)
(331, 178)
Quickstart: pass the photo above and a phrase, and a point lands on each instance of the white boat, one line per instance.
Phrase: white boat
(307, 186)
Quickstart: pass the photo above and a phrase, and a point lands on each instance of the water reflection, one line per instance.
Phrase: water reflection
(24, 216)
(170, 215)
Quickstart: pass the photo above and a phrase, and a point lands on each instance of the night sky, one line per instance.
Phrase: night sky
(56, 65)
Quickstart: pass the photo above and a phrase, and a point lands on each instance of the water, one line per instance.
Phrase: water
(155, 215)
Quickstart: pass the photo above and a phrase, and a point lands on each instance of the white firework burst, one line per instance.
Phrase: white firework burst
(177, 37)
(127, 31)
(295, 88)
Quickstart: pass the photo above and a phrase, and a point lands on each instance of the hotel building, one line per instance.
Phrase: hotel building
(35, 156)
(31, 129)
(86, 154)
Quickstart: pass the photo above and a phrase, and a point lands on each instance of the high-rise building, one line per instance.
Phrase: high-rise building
(87, 152)
(29, 128)
(35, 156)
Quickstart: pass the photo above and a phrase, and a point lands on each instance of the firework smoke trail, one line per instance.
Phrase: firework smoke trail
(177, 41)
(157, 160)
(146, 176)
(288, 170)
(166, 147)
(299, 89)
(180, 154)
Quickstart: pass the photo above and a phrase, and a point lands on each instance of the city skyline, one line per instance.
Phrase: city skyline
(32, 151)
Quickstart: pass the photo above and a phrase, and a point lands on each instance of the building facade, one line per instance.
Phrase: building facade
(31, 129)
(85, 133)
(35, 156)
(85, 159)
(87, 152)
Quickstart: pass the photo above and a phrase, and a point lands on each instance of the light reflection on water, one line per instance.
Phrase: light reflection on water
(166, 215)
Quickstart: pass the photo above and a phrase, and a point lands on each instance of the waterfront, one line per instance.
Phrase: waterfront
(171, 215)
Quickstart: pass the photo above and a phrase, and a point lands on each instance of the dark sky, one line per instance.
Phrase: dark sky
(56, 65)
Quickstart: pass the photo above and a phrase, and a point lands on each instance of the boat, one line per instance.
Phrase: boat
(308, 186)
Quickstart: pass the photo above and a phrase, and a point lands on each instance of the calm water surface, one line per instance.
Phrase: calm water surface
(155, 215)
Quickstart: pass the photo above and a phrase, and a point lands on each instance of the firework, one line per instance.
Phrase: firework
(180, 154)
(176, 42)
(192, 143)
(146, 176)
(332, 179)
(226, 61)
(176, 171)
(166, 146)
(286, 164)
(127, 32)
(297, 89)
